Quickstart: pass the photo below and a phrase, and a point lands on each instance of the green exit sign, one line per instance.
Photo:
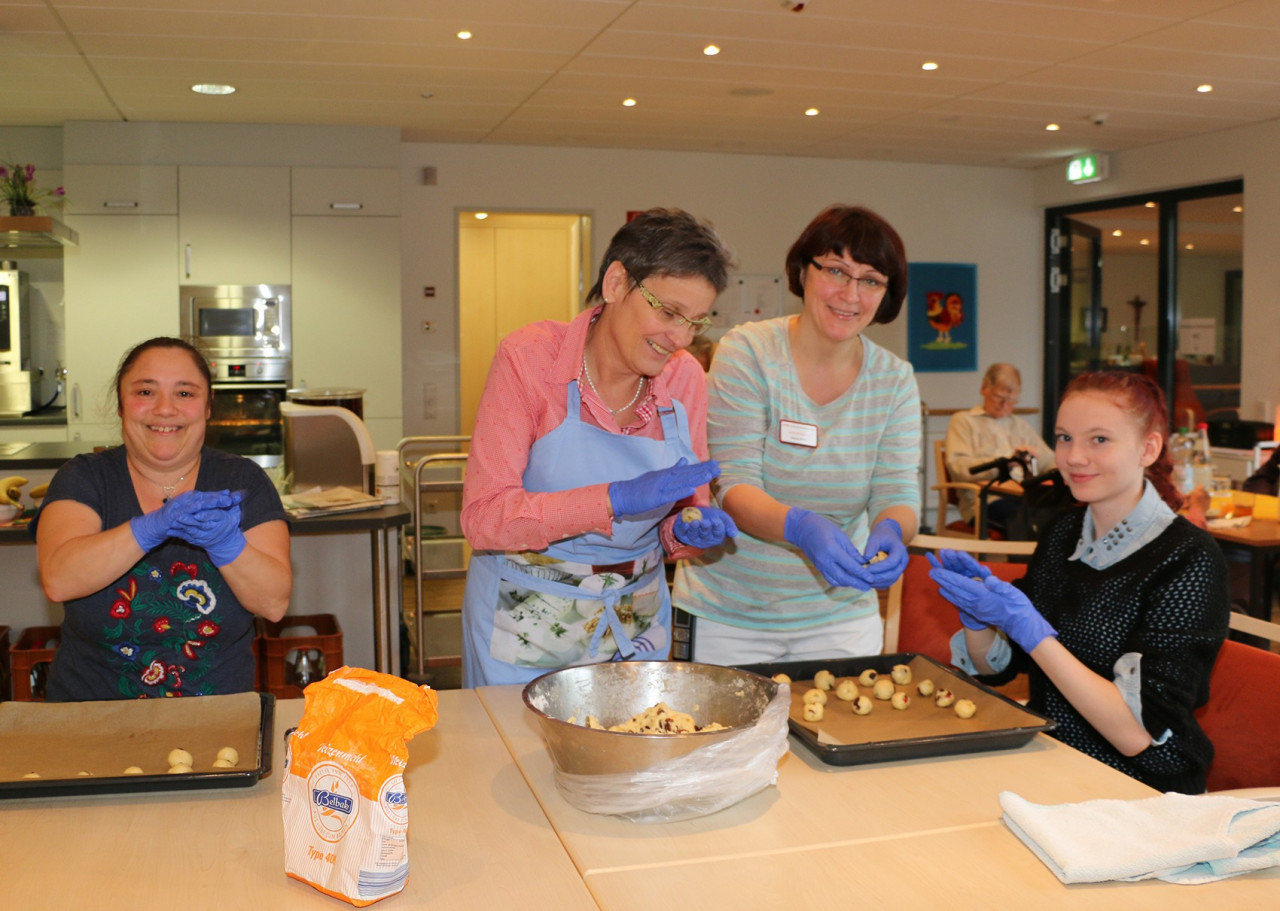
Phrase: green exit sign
(1088, 168)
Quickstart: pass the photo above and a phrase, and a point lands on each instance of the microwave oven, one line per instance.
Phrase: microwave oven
(238, 321)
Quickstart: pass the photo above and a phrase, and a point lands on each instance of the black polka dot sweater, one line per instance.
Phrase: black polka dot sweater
(1168, 602)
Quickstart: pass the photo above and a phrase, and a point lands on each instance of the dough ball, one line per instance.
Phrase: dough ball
(901, 674)
(925, 687)
(781, 678)
(180, 757)
(880, 555)
(965, 708)
(132, 770)
(868, 677)
(230, 754)
(824, 680)
(815, 697)
(180, 768)
(883, 688)
(943, 698)
(847, 690)
(691, 514)
(813, 711)
(900, 701)
(223, 764)
(862, 706)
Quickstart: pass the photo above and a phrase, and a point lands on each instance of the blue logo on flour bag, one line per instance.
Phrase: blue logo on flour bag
(394, 801)
(335, 800)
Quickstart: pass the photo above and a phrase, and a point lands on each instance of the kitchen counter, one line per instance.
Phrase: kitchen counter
(488, 829)
(43, 455)
(50, 417)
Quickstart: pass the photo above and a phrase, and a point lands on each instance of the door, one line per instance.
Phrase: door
(513, 269)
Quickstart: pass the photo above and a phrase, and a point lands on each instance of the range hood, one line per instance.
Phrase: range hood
(35, 231)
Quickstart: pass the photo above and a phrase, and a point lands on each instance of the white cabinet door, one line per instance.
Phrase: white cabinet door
(346, 313)
(121, 189)
(121, 288)
(233, 225)
(346, 192)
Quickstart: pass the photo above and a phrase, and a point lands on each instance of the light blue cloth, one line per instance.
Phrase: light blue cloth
(1179, 838)
(1144, 523)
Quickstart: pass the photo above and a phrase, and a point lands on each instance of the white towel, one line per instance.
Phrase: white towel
(1179, 838)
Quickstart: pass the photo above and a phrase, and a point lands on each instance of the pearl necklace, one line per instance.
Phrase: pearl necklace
(167, 489)
(634, 398)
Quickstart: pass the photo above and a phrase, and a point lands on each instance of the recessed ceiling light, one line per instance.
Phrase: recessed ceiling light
(1117, 233)
(464, 35)
(1149, 205)
(812, 112)
(1189, 247)
(628, 102)
(1146, 242)
(928, 65)
(711, 50)
(1237, 209)
(1204, 89)
(212, 88)
(1052, 127)
(428, 95)
(481, 216)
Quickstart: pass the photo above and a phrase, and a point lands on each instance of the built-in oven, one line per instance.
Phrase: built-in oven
(245, 331)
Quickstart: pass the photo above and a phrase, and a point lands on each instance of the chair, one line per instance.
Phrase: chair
(1240, 716)
(917, 618)
(947, 496)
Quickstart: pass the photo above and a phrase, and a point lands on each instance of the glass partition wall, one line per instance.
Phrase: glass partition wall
(1151, 284)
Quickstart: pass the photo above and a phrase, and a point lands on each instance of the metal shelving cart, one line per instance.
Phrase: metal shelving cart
(431, 472)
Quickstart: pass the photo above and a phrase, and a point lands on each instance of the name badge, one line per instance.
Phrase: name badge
(798, 434)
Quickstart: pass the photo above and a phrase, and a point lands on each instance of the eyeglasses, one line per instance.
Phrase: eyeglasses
(867, 284)
(673, 317)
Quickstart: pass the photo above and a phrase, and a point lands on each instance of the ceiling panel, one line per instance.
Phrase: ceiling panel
(554, 72)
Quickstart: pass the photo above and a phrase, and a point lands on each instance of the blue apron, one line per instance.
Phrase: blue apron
(585, 599)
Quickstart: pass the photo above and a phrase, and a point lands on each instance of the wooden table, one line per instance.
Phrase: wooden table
(477, 838)
(1261, 539)
(923, 833)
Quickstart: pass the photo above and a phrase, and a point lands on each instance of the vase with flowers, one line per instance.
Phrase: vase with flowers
(18, 189)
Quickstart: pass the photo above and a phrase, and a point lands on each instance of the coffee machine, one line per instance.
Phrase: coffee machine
(15, 342)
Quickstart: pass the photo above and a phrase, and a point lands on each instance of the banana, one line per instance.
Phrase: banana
(38, 491)
(11, 488)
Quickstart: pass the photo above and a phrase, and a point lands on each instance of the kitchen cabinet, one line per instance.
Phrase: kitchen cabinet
(346, 192)
(121, 289)
(121, 189)
(233, 226)
(346, 312)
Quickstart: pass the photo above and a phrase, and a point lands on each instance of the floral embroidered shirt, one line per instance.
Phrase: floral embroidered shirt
(170, 626)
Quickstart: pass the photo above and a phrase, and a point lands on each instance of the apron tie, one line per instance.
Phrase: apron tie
(609, 617)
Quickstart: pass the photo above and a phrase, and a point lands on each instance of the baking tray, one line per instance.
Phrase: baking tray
(61, 739)
(923, 730)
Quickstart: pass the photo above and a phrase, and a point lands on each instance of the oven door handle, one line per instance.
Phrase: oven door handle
(249, 387)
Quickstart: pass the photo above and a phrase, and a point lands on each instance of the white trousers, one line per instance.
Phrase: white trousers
(718, 643)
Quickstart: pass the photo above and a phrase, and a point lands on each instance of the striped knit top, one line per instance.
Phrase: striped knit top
(867, 459)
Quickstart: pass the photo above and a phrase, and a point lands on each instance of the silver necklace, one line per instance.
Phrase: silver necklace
(167, 489)
(634, 398)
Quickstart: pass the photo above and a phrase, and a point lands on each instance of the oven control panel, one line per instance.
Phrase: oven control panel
(251, 370)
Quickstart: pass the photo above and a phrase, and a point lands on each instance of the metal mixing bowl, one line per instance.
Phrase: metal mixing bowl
(616, 691)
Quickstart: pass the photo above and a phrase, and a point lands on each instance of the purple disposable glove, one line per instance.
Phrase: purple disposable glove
(151, 529)
(216, 529)
(827, 547)
(886, 538)
(709, 531)
(660, 488)
(994, 602)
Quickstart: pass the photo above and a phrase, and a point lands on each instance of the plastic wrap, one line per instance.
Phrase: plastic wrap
(699, 783)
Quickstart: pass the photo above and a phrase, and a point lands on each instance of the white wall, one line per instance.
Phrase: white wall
(1250, 153)
(758, 203)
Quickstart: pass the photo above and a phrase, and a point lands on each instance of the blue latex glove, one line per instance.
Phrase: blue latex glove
(960, 562)
(709, 531)
(660, 488)
(151, 529)
(827, 547)
(994, 602)
(886, 538)
(217, 530)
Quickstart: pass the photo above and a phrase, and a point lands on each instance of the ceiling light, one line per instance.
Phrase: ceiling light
(481, 216)
(1239, 210)
(212, 88)
(1189, 247)
(928, 65)
(811, 112)
(1149, 205)
(1204, 89)
(1146, 242)
(464, 35)
(428, 95)
(1117, 233)
(1052, 127)
(711, 50)
(628, 102)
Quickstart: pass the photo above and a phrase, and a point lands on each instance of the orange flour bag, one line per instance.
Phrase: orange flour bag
(346, 812)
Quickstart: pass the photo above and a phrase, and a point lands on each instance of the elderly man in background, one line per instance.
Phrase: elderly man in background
(988, 432)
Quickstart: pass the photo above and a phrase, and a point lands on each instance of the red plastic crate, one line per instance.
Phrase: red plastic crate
(5, 676)
(280, 644)
(26, 655)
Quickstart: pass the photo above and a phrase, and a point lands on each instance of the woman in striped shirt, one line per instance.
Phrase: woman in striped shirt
(817, 433)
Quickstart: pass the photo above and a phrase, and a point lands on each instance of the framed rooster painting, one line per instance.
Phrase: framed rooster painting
(942, 317)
